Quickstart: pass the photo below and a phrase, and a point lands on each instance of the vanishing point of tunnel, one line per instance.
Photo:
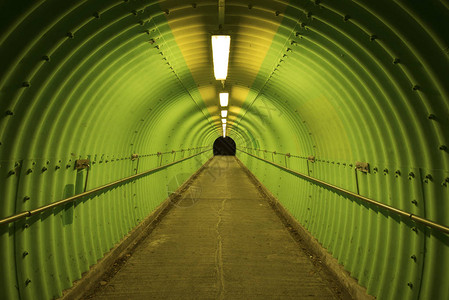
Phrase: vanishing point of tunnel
(224, 149)
(224, 146)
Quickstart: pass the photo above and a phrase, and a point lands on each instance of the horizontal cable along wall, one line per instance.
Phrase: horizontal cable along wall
(55, 247)
(385, 252)
(346, 192)
(86, 165)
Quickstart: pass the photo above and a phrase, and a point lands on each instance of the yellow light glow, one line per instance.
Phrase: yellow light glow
(220, 55)
(224, 113)
(224, 99)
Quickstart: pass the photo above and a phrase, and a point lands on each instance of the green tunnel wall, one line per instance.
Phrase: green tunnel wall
(100, 95)
(344, 81)
(374, 90)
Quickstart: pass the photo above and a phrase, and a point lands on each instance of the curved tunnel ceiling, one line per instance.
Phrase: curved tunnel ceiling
(344, 81)
(353, 77)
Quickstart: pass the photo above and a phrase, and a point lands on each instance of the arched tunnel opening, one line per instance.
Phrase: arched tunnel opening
(224, 146)
(116, 121)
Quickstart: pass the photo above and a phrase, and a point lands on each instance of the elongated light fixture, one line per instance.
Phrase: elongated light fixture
(224, 113)
(223, 121)
(220, 55)
(224, 130)
(224, 99)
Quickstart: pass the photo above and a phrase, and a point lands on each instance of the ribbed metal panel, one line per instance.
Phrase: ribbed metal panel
(86, 80)
(386, 253)
(344, 81)
(355, 83)
(51, 250)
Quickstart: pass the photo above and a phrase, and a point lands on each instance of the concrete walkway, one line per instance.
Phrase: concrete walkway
(221, 241)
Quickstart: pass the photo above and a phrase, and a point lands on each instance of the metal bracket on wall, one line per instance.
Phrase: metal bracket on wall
(357, 181)
(362, 166)
(82, 164)
(160, 154)
(286, 155)
(134, 157)
(311, 159)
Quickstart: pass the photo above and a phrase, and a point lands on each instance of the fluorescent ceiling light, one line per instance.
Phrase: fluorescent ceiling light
(224, 99)
(224, 132)
(223, 121)
(220, 55)
(224, 113)
(224, 126)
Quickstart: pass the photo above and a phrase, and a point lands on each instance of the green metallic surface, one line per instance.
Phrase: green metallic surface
(344, 81)
(347, 101)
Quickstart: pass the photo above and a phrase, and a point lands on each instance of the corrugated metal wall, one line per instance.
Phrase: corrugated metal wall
(47, 252)
(80, 80)
(361, 81)
(392, 256)
(344, 81)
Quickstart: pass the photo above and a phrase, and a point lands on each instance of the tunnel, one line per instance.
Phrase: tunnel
(339, 111)
(224, 146)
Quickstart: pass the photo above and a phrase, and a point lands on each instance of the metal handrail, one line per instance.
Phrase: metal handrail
(413, 217)
(38, 210)
(275, 152)
(172, 151)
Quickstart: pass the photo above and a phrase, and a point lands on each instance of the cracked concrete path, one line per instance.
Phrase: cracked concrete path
(221, 241)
